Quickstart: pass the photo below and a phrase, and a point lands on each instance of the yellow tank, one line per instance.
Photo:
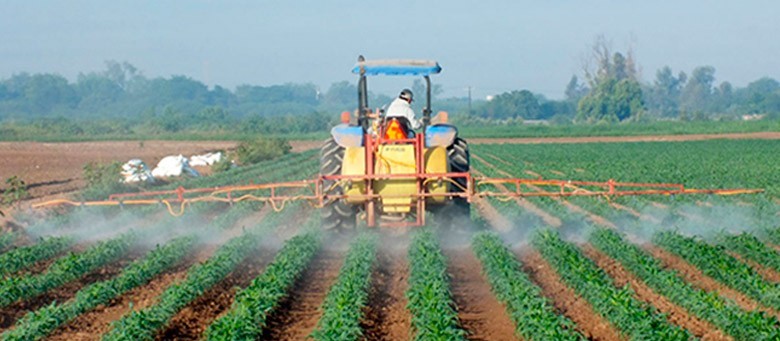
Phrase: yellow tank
(396, 194)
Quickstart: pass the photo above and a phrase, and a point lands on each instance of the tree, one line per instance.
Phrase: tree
(513, 104)
(697, 93)
(574, 90)
(665, 93)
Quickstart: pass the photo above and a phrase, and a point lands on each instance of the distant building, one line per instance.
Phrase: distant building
(753, 117)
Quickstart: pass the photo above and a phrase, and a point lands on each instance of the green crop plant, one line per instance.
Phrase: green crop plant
(38, 324)
(750, 247)
(713, 261)
(22, 257)
(631, 317)
(724, 314)
(248, 315)
(347, 298)
(6, 239)
(532, 314)
(144, 324)
(64, 270)
(430, 301)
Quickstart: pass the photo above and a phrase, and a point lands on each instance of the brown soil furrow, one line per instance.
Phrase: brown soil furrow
(297, 315)
(698, 279)
(565, 300)
(191, 322)
(675, 314)
(766, 272)
(9, 315)
(479, 312)
(91, 325)
(387, 317)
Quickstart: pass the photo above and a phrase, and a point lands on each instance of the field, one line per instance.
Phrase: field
(642, 268)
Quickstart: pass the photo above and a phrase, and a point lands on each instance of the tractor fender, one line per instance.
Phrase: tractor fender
(440, 135)
(347, 136)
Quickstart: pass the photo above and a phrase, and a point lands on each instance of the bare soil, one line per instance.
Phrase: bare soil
(565, 300)
(675, 314)
(52, 168)
(297, 315)
(92, 325)
(698, 279)
(387, 317)
(10, 314)
(480, 313)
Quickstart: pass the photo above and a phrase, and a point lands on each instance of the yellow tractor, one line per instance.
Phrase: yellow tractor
(377, 168)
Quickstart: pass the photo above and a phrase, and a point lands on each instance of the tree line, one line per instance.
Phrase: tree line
(613, 92)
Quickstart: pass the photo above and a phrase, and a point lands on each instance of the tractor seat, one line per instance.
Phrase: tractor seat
(398, 128)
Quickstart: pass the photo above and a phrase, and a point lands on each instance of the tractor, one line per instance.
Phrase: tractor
(377, 168)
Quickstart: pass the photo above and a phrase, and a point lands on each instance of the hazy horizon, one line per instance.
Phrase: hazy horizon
(493, 47)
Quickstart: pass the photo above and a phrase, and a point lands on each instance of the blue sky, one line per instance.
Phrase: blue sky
(492, 46)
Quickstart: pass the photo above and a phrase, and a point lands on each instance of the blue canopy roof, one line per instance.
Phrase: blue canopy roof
(398, 67)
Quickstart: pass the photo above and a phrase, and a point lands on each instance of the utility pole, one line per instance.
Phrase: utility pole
(469, 100)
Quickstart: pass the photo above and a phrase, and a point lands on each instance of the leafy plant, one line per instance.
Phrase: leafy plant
(343, 307)
(724, 314)
(633, 318)
(262, 149)
(532, 314)
(15, 190)
(430, 300)
(247, 317)
(38, 324)
(65, 269)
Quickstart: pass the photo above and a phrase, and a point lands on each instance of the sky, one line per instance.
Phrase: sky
(488, 46)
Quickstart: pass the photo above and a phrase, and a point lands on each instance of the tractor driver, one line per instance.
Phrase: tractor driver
(401, 107)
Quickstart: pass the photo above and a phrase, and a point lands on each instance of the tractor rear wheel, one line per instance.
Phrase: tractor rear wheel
(458, 209)
(336, 213)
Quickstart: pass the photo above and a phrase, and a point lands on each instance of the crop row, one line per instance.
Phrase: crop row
(618, 305)
(709, 306)
(534, 318)
(750, 247)
(248, 315)
(430, 300)
(716, 263)
(344, 304)
(22, 257)
(64, 270)
(38, 324)
(144, 324)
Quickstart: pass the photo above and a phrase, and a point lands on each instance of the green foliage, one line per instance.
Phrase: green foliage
(633, 318)
(714, 262)
(534, 318)
(262, 149)
(23, 257)
(347, 298)
(64, 270)
(430, 300)
(102, 179)
(38, 324)
(750, 247)
(143, 325)
(742, 325)
(247, 317)
(6, 239)
(611, 101)
(15, 190)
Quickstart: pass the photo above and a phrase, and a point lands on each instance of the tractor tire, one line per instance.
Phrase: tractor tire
(459, 209)
(336, 214)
